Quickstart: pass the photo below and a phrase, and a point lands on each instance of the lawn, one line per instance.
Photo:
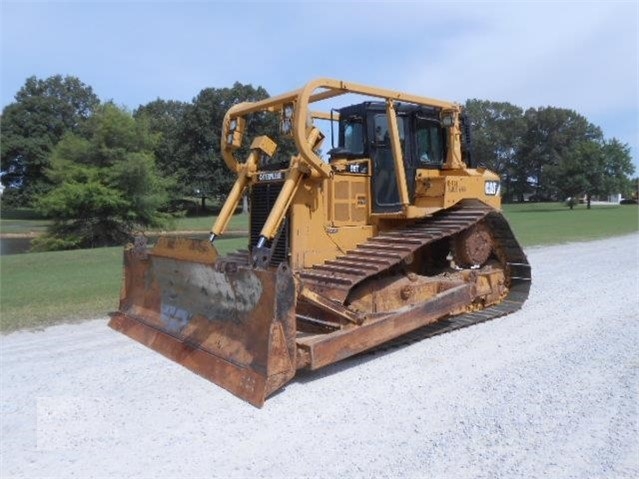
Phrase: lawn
(553, 223)
(22, 221)
(38, 289)
(204, 223)
(27, 223)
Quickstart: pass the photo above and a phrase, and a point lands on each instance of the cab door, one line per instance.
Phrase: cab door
(384, 177)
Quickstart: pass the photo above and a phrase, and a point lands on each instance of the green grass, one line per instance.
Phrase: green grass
(23, 227)
(204, 223)
(27, 223)
(22, 221)
(552, 223)
(39, 289)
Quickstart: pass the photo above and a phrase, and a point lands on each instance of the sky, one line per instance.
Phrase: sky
(568, 54)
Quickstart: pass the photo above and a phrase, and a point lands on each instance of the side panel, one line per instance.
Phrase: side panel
(329, 218)
(445, 188)
(350, 200)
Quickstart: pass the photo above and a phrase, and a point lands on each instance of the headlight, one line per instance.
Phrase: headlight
(235, 132)
(286, 124)
(287, 111)
(448, 120)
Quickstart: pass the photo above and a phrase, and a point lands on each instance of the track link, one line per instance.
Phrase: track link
(334, 279)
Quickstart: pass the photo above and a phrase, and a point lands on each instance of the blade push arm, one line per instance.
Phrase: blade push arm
(261, 145)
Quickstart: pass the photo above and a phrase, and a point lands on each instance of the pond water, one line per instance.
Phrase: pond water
(14, 245)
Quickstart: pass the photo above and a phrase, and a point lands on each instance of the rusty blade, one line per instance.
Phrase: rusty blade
(187, 249)
(235, 328)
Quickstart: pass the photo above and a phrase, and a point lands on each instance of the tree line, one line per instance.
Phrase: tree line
(101, 171)
(548, 153)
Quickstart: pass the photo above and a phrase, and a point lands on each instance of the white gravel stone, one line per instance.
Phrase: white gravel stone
(551, 391)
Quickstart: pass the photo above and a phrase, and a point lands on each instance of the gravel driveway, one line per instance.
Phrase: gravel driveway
(551, 391)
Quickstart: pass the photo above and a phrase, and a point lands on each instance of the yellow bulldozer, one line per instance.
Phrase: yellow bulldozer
(392, 234)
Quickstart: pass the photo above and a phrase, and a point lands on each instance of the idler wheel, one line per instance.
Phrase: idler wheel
(473, 246)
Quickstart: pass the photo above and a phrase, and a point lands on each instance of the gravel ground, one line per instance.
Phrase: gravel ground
(551, 391)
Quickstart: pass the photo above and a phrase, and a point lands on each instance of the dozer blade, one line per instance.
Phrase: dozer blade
(233, 325)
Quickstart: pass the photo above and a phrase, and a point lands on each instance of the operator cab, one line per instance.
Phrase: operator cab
(364, 133)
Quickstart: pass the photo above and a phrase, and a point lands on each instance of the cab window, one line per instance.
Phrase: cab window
(430, 150)
(354, 136)
(382, 134)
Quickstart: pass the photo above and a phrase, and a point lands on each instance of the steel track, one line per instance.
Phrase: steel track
(336, 278)
(517, 271)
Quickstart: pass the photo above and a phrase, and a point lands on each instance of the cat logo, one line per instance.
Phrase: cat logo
(491, 188)
(271, 176)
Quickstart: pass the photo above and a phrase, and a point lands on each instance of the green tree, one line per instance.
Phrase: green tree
(106, 183)
(551, 134)
(165, 118)
(630, 189)
(202, 171)
(44, 111)
(497, 130)
(617, 168)
(593, 168)
(574, 172)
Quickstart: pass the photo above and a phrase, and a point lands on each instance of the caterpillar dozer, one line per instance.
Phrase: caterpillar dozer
(395, 235)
